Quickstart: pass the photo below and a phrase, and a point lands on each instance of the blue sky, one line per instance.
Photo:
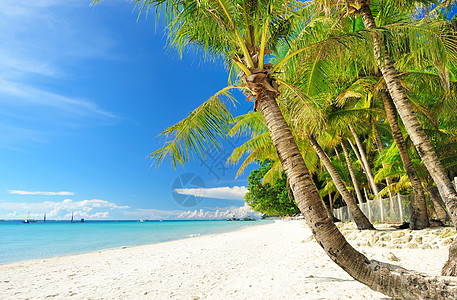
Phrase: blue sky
(84, 92)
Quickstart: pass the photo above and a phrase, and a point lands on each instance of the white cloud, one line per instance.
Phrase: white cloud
(201, 214)
(228, 193)
(90, 209)
(151, 214)
(237, 212)
(101, 209)
(63, 193)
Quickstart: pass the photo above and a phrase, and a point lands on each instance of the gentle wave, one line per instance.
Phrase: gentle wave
(193, 235)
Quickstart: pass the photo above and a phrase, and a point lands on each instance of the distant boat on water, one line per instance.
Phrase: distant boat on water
(28, 220)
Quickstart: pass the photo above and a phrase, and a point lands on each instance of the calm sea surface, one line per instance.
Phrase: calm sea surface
(20, 241)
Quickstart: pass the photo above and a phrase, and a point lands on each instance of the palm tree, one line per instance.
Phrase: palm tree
(359, 217)
(410, 120)
(351, 170)
(260, 148)
(363, 159)
(242, 32)
(419, 217)
(375, 87)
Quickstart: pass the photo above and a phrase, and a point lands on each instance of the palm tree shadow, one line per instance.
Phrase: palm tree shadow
(334, 279)
(331, 279)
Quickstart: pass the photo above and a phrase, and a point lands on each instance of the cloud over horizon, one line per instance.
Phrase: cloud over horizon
(227, 193)
(62, 193)
(94, 209)
(200, 214)
(237, 212)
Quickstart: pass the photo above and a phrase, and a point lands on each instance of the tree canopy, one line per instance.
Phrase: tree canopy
(272, 198)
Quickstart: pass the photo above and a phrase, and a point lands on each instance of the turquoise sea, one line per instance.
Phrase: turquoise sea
(20, 241)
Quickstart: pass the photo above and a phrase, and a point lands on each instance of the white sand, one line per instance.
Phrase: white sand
(261, 262)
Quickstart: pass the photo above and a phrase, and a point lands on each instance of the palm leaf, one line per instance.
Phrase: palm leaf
(197, 133)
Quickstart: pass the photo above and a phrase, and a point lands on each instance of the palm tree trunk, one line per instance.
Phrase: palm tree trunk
(387, 179)
(419, 216)
(438, 203)
(330, 200)
(364, 161)
(359, 158)
(390, 280)
(330, 214)
(337, 153)
(352, 173)
(380, 149)
(359, 217)
(330, 208)
(416, 133)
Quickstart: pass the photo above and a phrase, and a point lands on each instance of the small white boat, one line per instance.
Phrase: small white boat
(28, 220)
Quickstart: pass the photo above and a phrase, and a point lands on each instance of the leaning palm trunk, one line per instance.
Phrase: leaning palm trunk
(364, 161)
(359, 217)
(352, 173)
(416, 133)
(438, 203)
(419, 216)
(387, 279)
(392, 281)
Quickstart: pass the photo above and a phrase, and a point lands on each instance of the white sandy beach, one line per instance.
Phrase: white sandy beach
(272, 261)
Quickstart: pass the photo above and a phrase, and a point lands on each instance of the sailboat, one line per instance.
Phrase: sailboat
(71, 218)
(28, 220)
(44, 218)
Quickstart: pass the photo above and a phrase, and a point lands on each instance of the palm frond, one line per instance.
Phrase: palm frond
(197, 133)
(249, 124)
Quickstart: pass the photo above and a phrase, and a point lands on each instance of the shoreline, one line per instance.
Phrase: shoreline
(45, 258)
(274, 261)
(7, 258)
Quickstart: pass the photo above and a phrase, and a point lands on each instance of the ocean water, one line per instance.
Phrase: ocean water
(20, 241)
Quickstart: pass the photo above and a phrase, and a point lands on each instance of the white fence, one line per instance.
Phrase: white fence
(397, 209)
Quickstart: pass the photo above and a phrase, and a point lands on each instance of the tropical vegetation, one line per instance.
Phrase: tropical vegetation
(270, 198)
(340, 90)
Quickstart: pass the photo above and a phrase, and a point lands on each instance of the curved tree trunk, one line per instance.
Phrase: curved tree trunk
(419, 216)
(416, 133)
(387, 279)
(441, 213)
(359, 217)
(352, 173)
(364, 161)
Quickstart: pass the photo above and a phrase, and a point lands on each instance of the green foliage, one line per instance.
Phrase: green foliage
(269, 198)
(197, 133)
